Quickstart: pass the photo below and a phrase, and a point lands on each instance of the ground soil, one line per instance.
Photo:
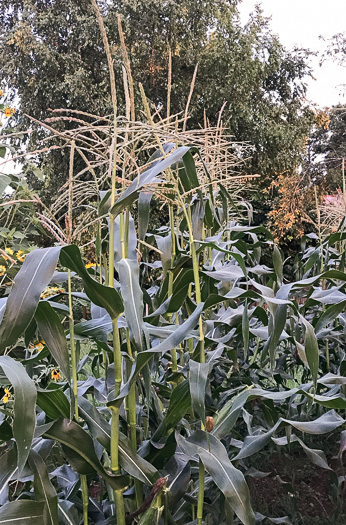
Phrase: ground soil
(298, 489)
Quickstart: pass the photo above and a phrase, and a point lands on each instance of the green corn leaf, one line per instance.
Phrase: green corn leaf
(147, 177)
(8, 467)
(278, 264)
(97, 329)
(172, 341)
(52, 332)
(311, 348)
(44, 490)
(22, 512)
(24, 421)
(68, 514)
(317, 457)
(54, 403)
(31, 280)
(130, 461)
(99, 294)
(329, 315)
(71, 435)
(133, 300)
(230, 480)
(143, 213)
(180, 403)
(322, 425)
(198, 381)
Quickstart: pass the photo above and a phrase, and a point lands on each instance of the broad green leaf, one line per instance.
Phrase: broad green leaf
(329, 315)
(172, 341)
(228, 415)
(131, 462)
(71, 435)
(322, 425)
(99, 294)
(68, 513)
(95, 328)
(54, 403)
(22, 512)
(226, 273)
(198, 381)
(8, 467)
(179, 404)
(230, 480)
(147, 177)
(311, 348)
(24, 421)
(44, 490)
(51, 330)
(278, 264)
(31, 280)
(143, 213)
(317, 457)
(164, 244)
(133, 300)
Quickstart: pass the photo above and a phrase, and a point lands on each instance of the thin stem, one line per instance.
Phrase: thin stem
(200, 501)
(85, 497)
(74, 398)
(131, 408)
(119, 501)
(170, 283)
(201, 474)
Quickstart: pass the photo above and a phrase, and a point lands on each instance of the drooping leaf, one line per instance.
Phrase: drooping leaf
(24, 421)
(180, 403)
(133, 300)
(329, 315)
(31, 280)
(8, 467)
(311, 348)
(131, 462)
(147, 177)
(98, 328)
(143, 213)
(99, 294)
(71, 435)
(54, 403)
(198, 380)
(68, 514)
(230, 480)
(52, 331)
(44, 490)
(172, 341)
(22, 512)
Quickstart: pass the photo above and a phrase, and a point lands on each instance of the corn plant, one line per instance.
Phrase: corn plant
(188, 364)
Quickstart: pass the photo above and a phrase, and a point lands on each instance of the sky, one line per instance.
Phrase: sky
(301, 23)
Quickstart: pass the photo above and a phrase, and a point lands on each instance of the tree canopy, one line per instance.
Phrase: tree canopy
(51, 54)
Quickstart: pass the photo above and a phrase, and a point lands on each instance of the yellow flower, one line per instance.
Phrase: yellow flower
(13, 111)
(7, 396)
(55, 375)
(2, 269)
(9, 251)
(7, 112)
(39, 346)
(1, 93)
(51, 290)
(20, 255)
(89, 265)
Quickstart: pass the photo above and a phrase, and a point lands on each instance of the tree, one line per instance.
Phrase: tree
(52, 53)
